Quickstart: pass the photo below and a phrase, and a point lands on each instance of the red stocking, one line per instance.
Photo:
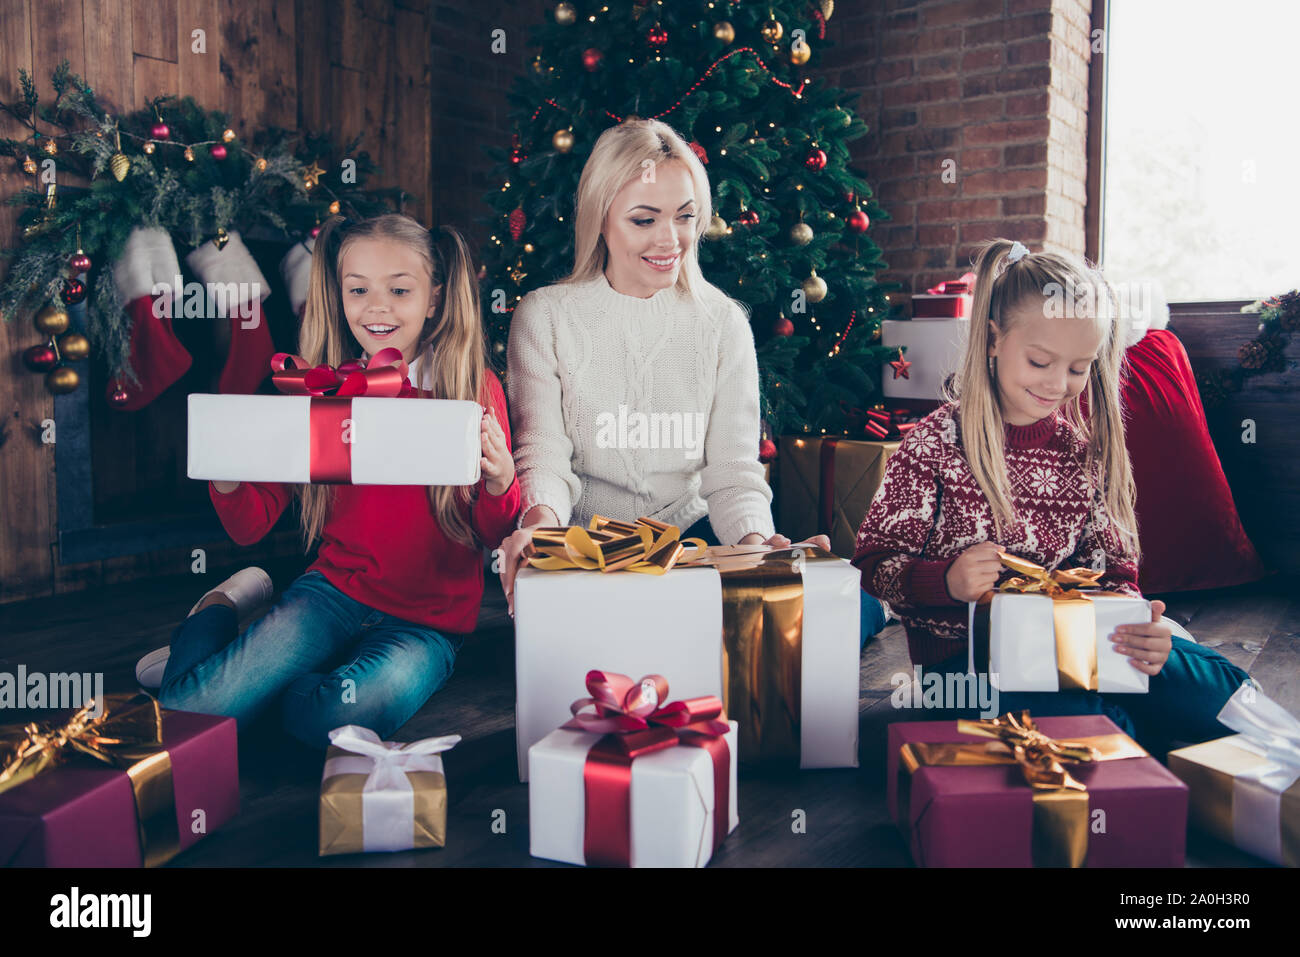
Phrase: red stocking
(249, 360)
(157, 357)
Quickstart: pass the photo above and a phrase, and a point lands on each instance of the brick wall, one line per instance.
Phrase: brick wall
(993, 91)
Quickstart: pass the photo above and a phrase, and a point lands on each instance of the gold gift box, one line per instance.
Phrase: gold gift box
(342, 811)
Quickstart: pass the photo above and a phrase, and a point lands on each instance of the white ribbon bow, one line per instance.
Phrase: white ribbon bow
(1018, 252)
(388, 800)
(1257, 794)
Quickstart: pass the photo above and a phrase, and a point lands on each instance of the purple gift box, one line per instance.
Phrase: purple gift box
(83, 814)
(983, 816)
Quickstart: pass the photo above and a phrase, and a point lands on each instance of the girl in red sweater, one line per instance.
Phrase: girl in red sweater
(371, 630)
(1013, 462)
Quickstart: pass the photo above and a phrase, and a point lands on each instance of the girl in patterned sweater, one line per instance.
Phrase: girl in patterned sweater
(1029, 457)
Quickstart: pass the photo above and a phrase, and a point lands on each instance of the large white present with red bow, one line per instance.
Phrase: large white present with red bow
(634, 780)
(350, 425)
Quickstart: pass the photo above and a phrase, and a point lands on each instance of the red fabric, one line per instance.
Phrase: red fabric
(1191, 534)
(157, 356)
(250, 353)
(929, 509)
(381, 544)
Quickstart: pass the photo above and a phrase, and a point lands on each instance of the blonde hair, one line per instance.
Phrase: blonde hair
(618, 156)
(451, 341)
(1001, 287)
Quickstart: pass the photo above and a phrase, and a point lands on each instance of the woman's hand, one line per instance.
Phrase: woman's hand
(1148, 645)
(514, 551)
(497, 464)
(780, 541)
(974, 572)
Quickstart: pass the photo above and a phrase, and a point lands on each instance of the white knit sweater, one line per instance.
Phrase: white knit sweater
(596, 376)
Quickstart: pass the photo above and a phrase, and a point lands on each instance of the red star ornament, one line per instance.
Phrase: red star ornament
(900, 366)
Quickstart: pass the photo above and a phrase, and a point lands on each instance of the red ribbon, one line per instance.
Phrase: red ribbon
(384, 376)
(953, 287)
(629, 715)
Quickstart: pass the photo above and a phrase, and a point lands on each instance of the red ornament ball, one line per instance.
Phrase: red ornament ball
(766, 450)
(159, 131)
(40, 358)
(79, 262)
(816, 160)
(591, 58)
(783, 327)
(748, 218)
(74, 290)
(118, 397)
(858, 221)
(218, 151)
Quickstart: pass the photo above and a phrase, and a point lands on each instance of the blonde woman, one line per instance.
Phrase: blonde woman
(372, 628)
(633, 380)
(1014, 462)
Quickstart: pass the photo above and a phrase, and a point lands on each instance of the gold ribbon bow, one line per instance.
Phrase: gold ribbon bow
(1060, 837)
(127, 734)
(1073, 617)
(607, 545)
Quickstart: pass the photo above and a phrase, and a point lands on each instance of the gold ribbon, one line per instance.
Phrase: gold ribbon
(128, 735)
(1073, 616)
(1060, 822)
(607, 545)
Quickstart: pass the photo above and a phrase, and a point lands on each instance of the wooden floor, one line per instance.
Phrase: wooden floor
(1257, 627)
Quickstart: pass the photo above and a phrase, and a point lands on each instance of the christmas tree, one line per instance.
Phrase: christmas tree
(790, 235)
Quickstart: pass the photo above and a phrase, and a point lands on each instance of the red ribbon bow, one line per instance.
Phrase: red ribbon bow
(384, 376)
(635, 721)
(953, 286)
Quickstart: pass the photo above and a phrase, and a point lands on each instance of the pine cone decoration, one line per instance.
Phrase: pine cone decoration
(1252, 355)
(1214, 390)
(120, 166)
(517, 222)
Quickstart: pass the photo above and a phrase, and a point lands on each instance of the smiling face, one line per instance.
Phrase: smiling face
(388, 294)
(1043, 362)
(648, 228)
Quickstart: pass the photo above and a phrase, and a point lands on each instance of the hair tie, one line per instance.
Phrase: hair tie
(1018, 252)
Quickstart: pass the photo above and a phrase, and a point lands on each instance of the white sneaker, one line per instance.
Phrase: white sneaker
(246, 588)
(149, 669)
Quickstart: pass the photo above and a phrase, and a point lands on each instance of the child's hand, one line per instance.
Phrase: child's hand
(497, 464)
(1147, 645)
(974, 572)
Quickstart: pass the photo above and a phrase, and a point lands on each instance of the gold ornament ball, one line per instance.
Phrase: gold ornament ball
(260, 165)
(800, 53)
(51, 321)
(51, 147)
(74, 346)
(772, 31)
(724, 31)
(528, 247)
(228, 135)
(801, 234)
(61, 380)
(814, 287)
(149, 147)
(717, 228)
(120, 166)
(565, 15)
(828, 8)
(29, 165)
(562, 140)
(334, 208)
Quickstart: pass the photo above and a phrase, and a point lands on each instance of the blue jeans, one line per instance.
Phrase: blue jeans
(1181, 704)
(872, 612)
(325, 659)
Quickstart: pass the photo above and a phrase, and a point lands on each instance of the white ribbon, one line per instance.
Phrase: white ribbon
(1271, 731)
(387, 800)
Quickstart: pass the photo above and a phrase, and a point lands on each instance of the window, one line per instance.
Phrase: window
(1201, 147)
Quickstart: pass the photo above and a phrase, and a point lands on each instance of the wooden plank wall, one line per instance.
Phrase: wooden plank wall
(359, 66)
(1264, 475)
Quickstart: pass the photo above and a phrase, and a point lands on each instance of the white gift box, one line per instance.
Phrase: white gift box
(267, 438)
(934, 347)
(569, 622)
(672, 794)
(1022, 643)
